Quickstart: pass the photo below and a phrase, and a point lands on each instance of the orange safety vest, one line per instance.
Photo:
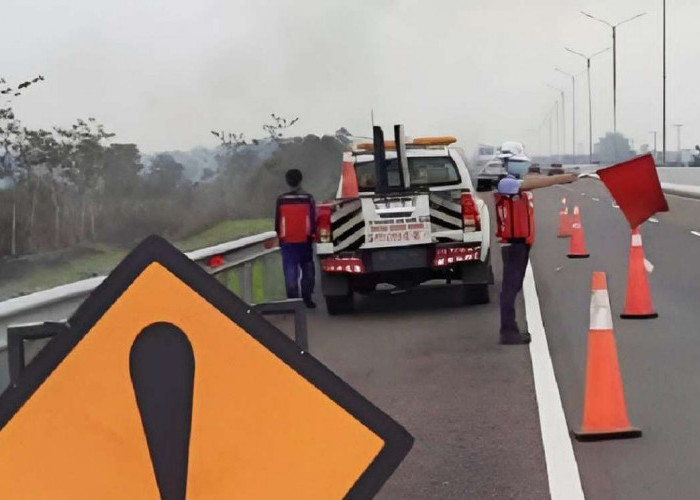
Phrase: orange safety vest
(515, 217)
(295, 218)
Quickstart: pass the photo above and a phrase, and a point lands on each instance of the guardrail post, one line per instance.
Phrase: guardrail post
(246, 281)
(294, 306)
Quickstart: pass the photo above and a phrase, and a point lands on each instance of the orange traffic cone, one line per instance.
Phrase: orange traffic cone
(577, 243)
(349, 179)
(638, 304)
(604, 408)
(564, 221)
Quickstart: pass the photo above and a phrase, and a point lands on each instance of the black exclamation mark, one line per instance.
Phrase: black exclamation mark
(161, 363)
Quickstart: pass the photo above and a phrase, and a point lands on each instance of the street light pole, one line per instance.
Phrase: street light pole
(614, 46)
(573, 112)
(655, 151)
(663, 131)
(679, 157)
(590, 107)
(563, 118)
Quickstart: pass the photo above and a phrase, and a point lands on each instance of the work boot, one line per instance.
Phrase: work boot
(516, 338)
(310, 304)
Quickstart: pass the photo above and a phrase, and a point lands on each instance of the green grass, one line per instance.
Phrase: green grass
(225, 231)
(97, 259)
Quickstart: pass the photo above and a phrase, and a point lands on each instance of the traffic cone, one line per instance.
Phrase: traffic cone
(564, 221)
(577, 243)
(604, 408)
(349, 178)
(638, 304)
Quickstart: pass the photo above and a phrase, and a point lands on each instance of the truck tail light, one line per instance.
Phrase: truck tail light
(470, 213)
(323, 224)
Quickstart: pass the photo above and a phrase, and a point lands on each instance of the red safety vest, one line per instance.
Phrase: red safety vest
(294, 219)
(515, 217)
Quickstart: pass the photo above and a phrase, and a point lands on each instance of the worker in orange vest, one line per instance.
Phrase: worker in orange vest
(295, 224)
(515, 220)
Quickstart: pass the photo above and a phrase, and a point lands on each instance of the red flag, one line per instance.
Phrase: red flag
(636, 188)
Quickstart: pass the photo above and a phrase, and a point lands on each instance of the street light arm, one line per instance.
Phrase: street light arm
(600, 52)
(596, 18)
(577, 53)
(631, 19)
(564, 72)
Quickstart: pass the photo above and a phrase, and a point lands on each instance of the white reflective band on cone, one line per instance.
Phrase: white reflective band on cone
(601, 317)
(636, 240)
(347, 156)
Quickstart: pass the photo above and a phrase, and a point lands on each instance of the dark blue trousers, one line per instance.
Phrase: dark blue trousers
(515, 258)
(298, 265)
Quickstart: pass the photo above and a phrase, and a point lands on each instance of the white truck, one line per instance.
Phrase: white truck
(424, 222)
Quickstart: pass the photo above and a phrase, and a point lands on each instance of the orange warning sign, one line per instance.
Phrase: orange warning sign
(168, 386)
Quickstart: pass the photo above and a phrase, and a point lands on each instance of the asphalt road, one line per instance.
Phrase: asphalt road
(659, 358)
(437, 368)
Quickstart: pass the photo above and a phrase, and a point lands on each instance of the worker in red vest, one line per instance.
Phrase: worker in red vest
(295, 223)
(515, 220)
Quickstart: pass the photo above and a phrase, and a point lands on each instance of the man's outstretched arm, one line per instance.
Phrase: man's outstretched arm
(536, 182)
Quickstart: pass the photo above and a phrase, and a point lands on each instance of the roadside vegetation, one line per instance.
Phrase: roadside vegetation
(33, 273)
(74, 200)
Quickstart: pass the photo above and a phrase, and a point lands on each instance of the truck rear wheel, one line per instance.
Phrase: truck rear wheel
(339, 304)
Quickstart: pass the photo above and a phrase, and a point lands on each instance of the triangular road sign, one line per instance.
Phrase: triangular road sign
(168, 386)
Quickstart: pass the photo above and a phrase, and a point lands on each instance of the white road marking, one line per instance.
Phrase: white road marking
(615, 205)
(596, 199)
(654, 220)
(562, 470)
(696, 233)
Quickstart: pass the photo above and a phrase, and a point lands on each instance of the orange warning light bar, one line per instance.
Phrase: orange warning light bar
(444, 140)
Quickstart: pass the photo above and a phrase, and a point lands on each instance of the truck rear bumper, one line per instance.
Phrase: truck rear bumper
(405, 267)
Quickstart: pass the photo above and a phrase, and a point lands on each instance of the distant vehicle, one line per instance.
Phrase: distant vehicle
(555, 169)
(534, 169)
(483, 155)
(428, 225)
(488, 177)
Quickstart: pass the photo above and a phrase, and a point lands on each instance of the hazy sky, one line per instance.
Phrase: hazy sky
(162, 73)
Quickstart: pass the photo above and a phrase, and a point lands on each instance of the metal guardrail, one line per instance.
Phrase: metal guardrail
(59, 303)
(683, 190)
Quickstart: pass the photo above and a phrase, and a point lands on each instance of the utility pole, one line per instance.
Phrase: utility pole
(590, 108)
(614, 46)
(573, 111)
(556, 117)
(680, 157)
(663, 130)
(563, 120)
(550, 136)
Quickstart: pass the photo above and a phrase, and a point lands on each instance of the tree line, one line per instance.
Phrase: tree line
(67, 186)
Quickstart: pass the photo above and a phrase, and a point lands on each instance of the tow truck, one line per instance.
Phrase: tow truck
(405, 213)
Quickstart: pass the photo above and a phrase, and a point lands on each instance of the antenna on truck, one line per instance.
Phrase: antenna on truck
(381, 175)
(401, 157)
